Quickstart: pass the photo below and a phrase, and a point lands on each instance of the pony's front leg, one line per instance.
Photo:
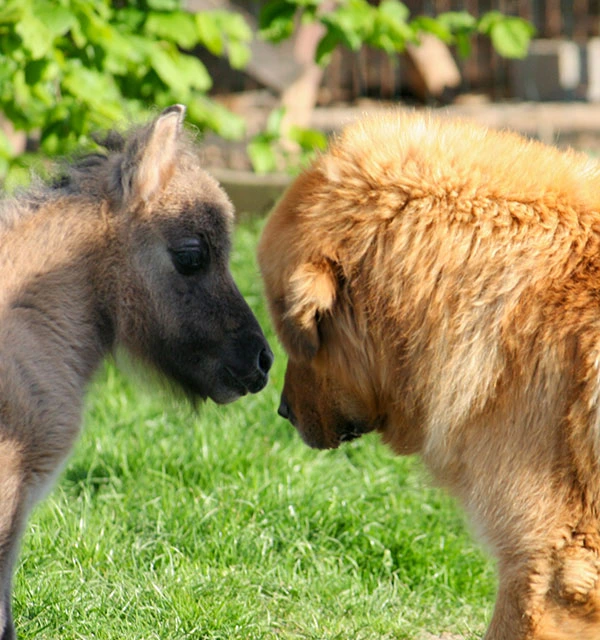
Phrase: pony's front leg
(14, 504)
(11, 527)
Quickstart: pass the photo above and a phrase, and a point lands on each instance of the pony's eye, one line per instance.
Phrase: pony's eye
(190, 256)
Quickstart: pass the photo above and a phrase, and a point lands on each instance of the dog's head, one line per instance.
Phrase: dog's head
(330, 393)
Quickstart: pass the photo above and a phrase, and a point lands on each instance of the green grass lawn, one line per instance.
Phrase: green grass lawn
(173, 524)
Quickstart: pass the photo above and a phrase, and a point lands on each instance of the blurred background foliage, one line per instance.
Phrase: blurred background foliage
(69, 68)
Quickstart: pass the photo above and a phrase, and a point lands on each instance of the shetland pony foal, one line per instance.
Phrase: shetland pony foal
(129, 248)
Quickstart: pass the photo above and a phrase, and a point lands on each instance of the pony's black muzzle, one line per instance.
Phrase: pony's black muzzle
(252, 372)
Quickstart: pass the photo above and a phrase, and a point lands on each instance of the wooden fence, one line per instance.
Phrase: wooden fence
(372, 73)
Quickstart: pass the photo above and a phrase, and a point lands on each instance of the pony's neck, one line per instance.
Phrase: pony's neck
(51, 295)
(54, 333)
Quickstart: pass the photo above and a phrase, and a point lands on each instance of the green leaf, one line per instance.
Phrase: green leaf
(276, 20)
(178, 27)
(7, 72)
(6, 148)
(209, 33)
(391, 31)
(394, 10)
(16, 177)
(41, 77)
(488, 20)
(164, 61)
(21, 90)
(208, 114)
(44, 93)
(164, 5)
(141, 45)
(238, 54)
(309, 15)
(94, 28)
(234, 26)
(193, 72)
(95, 89)
(274, 121)
(12, 50)
(262, 155)
(220, 30)
(433, 26)
(511, 37)
(57, 19)
(308, 139)
(37, 38)
(326, 47)
(458, 21)
(386, 43)
(13, 10)
(178, 71)
(122, 51)
(79, 37)
(131, 18)
(463, 45)
(352, 23)
(101, 9)
(34, 71)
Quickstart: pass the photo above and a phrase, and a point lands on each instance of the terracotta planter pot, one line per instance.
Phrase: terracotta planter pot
(252, 194)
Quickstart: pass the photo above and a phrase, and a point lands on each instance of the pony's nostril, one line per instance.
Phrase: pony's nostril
(284, 410)
(265, 360)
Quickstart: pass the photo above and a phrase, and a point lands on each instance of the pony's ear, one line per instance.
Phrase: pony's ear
(311, 293)
(150, 160)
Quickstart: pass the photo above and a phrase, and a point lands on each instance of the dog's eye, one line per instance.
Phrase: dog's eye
(190, 256)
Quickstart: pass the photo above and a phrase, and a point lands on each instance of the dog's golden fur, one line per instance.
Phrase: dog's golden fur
(440, 283)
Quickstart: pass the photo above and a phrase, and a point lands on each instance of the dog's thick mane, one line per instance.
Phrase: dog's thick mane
(440, 156)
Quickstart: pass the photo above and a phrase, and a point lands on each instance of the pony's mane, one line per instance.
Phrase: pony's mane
(88, 174)
(94, 175)
(67, 176)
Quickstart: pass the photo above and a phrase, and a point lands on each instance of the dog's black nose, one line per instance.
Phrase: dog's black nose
(284, 409)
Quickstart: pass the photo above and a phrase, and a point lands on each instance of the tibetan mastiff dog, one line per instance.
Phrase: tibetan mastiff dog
(439, 284)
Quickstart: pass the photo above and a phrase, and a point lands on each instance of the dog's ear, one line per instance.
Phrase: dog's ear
(311, 293)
